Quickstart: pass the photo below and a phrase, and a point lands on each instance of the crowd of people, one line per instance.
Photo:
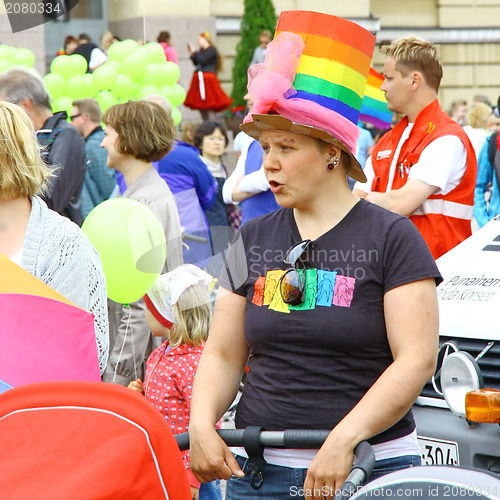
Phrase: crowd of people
(322, 339)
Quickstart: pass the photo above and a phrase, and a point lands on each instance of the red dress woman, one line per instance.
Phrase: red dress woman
(205, 92)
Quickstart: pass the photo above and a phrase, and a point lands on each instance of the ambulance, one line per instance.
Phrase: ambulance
(458, 412)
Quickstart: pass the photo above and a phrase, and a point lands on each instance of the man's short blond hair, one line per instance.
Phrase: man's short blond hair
(412, 53)
(145, 130)
(90, 107)
(22, 169)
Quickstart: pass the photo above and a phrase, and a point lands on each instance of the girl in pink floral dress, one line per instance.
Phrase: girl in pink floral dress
(178, 308)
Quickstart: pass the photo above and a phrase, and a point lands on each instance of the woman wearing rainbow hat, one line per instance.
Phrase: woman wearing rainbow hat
(333, 298)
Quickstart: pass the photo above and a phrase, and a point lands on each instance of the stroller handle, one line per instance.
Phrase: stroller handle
(364, 462)
(364, 458)
(294, 438)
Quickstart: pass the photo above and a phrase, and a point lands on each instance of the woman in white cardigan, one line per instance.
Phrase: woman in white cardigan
(49, 246)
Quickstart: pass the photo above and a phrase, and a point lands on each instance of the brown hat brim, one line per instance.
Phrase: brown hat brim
(279, 122)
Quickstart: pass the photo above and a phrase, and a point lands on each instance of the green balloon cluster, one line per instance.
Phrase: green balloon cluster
(11, 57)
(131, 72)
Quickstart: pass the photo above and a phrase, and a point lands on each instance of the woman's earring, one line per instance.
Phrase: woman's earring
(332, 163)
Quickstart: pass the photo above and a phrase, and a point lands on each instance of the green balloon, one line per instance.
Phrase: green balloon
(7, 52)
(103, 77)
(88, 79)
(56, 85)
(167, 91)
(123, 87)
(147, 90)
(134, 66)
(118, 51)
(78, 87)
(5, 64)
(153, 53)
(63, 103)
(131, 243)
(106, 99)
(78, 64)
(130, 45)
(113, 65)
(153, 75)
(176, 94)
(176, 116)
(23, 57)
(135, 91)
(61, 66)
(172, 73)
(165, 74)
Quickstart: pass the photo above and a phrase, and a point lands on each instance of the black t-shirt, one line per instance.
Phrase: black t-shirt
(312, 363)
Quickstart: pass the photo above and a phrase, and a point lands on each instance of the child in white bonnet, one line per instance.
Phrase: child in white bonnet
(179, 309)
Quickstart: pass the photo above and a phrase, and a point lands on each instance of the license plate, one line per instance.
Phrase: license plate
(438, 451)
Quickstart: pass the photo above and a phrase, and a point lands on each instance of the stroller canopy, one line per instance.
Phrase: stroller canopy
(86, 441)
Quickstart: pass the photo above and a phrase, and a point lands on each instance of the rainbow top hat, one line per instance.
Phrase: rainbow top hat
(312, 81)
(374, 108)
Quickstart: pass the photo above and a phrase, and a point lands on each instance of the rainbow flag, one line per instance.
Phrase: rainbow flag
(374, 108)
(334, 66)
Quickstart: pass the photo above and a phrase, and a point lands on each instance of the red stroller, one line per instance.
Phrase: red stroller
(86, 441)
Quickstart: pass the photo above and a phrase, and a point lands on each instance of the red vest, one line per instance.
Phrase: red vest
(443, 220)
